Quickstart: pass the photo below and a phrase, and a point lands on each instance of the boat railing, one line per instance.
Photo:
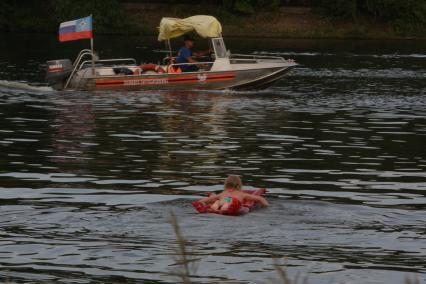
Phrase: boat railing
(256, 57)
(129, 61)
(134, 63)
(76, 64)
(166, 60)
(191, 63)
(81, 54)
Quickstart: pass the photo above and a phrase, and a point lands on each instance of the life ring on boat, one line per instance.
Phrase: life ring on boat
(152, 67)
(236, 207)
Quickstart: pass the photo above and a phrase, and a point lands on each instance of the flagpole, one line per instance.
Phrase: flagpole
(93, 56)
(93, 51)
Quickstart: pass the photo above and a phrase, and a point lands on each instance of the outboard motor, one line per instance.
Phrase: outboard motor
(58, 72)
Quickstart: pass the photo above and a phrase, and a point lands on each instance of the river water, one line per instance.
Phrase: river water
(88, 180)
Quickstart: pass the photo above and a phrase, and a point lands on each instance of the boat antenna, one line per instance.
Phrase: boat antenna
(93, 51)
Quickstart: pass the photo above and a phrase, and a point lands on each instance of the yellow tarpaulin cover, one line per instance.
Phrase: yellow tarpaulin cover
(205, 26)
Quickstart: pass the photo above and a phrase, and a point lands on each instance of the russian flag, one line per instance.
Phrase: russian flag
(77, 29)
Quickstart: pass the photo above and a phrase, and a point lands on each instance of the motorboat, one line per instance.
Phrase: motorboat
(223, 70)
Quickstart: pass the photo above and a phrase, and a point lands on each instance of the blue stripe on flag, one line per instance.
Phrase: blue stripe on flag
(67, 29)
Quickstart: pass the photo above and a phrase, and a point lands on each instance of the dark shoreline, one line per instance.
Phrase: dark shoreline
(236, 36)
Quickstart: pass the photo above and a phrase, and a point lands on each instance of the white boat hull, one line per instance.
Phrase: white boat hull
(209, 80)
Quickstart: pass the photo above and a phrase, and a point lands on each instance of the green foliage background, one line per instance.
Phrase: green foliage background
(41, 16)
(110, 16)
(403, 15)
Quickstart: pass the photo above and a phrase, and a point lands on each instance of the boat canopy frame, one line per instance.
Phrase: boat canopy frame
(205, 26)
(216, 43)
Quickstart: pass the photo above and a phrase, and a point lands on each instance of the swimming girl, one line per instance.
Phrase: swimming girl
(232, 195)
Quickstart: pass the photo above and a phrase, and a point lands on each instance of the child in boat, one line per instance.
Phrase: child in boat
(232, 195)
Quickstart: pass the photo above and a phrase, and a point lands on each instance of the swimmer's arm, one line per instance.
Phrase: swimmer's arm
(257, 198)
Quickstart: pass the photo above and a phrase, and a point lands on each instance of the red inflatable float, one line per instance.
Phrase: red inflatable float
(236, 208)
(152, 67)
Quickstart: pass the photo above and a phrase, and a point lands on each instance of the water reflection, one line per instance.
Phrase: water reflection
(74, 126)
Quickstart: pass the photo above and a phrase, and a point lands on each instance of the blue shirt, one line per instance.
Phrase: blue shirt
(183, 55)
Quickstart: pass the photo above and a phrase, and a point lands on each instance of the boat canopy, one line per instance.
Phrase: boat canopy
(204, 26)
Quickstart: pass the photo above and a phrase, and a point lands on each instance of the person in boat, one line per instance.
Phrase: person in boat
(232, 197)
(186, 55)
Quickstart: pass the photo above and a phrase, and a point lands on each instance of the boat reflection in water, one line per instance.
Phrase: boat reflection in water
(158, 133)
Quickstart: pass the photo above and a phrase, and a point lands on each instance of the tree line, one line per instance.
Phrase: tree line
(401, 14)
(111, 15)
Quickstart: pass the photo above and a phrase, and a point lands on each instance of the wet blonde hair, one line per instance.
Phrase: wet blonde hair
(234, 182)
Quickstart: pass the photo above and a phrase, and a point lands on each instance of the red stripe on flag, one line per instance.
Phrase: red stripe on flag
(75, 36)
(56, 70)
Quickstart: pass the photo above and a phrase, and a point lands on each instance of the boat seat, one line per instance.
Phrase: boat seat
(105, 71)
(110, 71)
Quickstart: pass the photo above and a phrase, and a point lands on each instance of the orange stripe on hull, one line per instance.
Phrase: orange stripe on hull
(105, 83)
(174, 83)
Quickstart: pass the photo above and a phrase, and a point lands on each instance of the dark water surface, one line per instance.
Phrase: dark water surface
(88, 180)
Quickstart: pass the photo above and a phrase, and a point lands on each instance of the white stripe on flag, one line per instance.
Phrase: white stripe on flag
(67, 24)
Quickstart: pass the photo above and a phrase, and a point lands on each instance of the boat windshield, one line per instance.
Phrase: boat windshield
(219, 47)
